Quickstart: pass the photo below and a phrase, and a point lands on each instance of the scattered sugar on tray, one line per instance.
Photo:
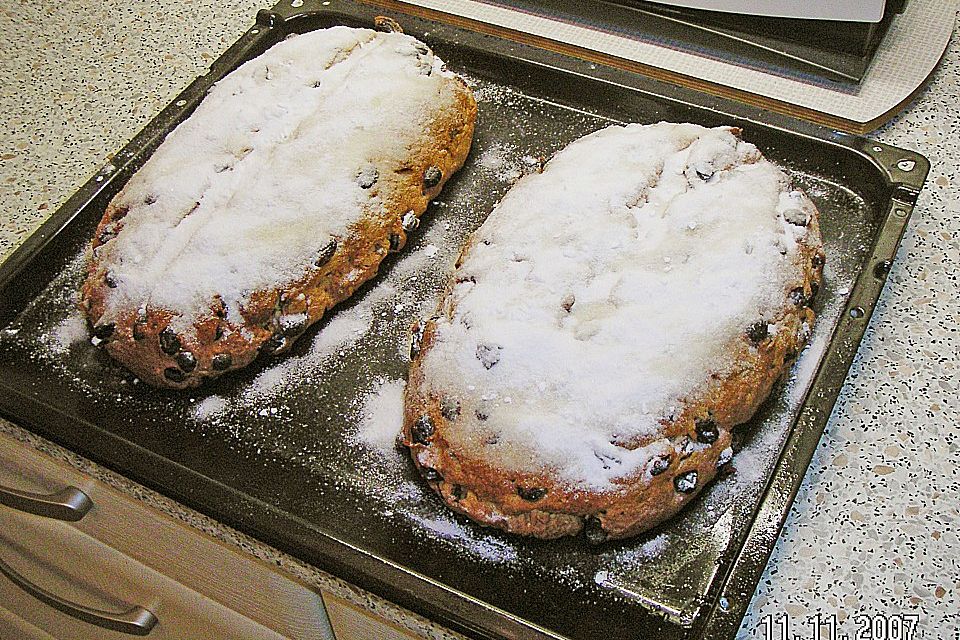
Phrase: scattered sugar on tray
(500, 160)
(383, 480)
(839, 281)
(802, 375)
(410, 268)
(630, 562)
(488, 92)
(382, 417)
(483, 545)
(406, 491)
(653, 547)
(68, 332)
(567, 575)
(493, 158)
(752, 461)
(273, 379)
(62, 325)
(210, 407)
(627, 557)
(341, 332)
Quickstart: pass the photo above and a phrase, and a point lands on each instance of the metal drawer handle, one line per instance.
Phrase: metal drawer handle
(137, 621)
(69, 504)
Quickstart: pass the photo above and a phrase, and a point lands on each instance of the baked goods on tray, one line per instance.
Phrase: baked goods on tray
(274, 201)
(605, 329)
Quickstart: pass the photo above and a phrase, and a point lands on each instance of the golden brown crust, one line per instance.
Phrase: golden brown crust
(536, 504)
(219, 346)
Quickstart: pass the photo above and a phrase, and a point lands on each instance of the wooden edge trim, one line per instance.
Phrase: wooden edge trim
(699, 84)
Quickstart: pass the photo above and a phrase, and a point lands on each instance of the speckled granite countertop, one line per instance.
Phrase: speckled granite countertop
(874, 528)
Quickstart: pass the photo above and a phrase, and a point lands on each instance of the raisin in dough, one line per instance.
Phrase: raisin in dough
(275, 200)
(605, 329)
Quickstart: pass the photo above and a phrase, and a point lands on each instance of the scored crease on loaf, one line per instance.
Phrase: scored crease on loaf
(606, 328)
(275, 200)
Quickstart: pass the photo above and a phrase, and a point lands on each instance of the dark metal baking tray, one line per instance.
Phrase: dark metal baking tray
(273, 451)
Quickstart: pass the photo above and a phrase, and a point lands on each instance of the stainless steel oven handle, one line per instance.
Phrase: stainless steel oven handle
(137, 621)
(69, 504)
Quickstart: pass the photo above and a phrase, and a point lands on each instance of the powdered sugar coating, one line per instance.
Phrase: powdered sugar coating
(603, 292)
(268, 162)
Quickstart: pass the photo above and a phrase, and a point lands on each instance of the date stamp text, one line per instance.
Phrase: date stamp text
(878, 626)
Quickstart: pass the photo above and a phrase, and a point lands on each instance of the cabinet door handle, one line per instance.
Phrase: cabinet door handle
(136, 621)
(67, 504)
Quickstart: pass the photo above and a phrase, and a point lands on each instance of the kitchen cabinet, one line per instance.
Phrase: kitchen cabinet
(120, 555)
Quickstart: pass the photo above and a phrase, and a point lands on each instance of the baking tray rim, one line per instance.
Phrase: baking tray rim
(365, 568)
